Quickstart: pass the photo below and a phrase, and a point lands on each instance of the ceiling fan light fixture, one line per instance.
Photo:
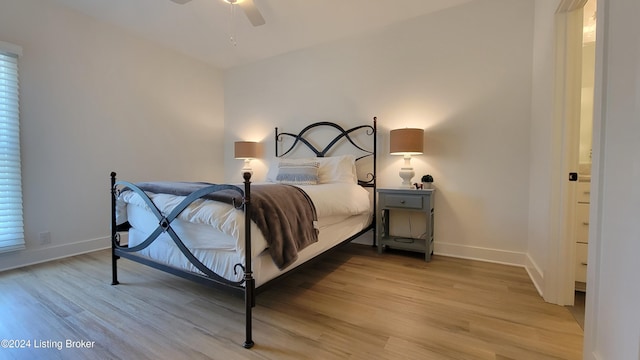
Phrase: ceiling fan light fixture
(250, 9)
(248, 6)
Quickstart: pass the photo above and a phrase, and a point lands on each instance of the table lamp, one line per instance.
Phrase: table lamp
(406, 142)
(246, 150)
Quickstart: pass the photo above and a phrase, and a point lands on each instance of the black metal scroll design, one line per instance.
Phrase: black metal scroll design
(302, 137)
(164, 225)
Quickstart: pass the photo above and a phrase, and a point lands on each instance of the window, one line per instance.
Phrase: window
(11, 225)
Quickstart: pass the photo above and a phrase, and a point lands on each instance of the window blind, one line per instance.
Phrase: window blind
(11, 224)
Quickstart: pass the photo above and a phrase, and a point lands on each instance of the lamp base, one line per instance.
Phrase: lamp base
(247, 167)
(407, 173)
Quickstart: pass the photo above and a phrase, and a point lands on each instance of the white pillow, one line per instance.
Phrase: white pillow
(337, 169)
(332, 169)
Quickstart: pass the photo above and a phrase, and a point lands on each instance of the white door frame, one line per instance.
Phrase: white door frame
(560, 285)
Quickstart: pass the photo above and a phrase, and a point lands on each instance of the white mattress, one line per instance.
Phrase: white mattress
(214, 232)
(221, 262)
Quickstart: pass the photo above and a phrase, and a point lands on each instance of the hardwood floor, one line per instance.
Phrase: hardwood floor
(578, 308)
(357, 305)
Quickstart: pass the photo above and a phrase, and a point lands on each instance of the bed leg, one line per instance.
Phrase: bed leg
(114, 268)
(114, 232)
(249, 303)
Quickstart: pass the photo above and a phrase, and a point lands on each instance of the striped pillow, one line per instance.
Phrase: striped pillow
(299, 173)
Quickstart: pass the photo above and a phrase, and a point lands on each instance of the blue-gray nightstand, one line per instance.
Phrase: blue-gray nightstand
(407, 200)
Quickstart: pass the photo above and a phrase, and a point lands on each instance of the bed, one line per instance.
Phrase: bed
(246, 237)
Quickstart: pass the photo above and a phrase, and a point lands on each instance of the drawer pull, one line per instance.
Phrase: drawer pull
(585, 223)
(583, 263)
(402, 201)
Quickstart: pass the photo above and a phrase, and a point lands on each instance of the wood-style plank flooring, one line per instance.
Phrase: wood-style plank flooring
(355, 305)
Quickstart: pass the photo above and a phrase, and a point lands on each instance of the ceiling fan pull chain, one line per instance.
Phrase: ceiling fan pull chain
(232, 29)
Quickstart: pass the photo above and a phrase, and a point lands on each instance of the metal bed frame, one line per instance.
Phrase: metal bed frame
(246, 286)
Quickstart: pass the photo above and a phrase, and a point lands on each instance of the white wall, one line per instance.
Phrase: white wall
(612, 327)
(458, 73)
(95, 99)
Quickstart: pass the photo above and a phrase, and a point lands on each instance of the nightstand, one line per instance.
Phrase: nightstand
(400, 205)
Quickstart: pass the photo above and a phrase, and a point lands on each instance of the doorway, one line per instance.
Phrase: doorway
(585, 134)
(575, 72)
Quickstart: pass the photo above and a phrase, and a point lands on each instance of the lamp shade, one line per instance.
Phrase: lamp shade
(406, 141)
(245, 149)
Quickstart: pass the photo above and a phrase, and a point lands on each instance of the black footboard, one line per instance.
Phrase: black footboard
(208, 276)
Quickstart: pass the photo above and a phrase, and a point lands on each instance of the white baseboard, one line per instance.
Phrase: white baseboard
(513, 258)
(17, 259)
(535, 274)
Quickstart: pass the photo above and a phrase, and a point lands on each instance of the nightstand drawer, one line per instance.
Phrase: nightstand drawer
(403, 201)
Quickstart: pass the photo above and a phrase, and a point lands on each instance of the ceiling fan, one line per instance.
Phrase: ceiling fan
(248, 6)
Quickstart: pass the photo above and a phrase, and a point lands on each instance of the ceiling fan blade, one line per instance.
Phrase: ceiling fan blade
(180, 1)
(252, 12)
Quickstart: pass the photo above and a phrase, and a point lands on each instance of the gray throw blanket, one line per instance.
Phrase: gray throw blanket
(284, 214)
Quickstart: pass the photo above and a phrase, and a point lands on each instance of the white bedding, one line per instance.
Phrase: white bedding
(214, 231)
(222, 261)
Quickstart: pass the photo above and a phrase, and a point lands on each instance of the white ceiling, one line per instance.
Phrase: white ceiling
(201, 28)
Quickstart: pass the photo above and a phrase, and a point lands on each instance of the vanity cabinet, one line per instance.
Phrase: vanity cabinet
(582, 234)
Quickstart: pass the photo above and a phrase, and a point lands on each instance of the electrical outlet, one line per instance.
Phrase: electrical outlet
(45, 238)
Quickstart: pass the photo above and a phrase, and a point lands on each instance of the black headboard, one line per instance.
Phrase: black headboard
(303, 138)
